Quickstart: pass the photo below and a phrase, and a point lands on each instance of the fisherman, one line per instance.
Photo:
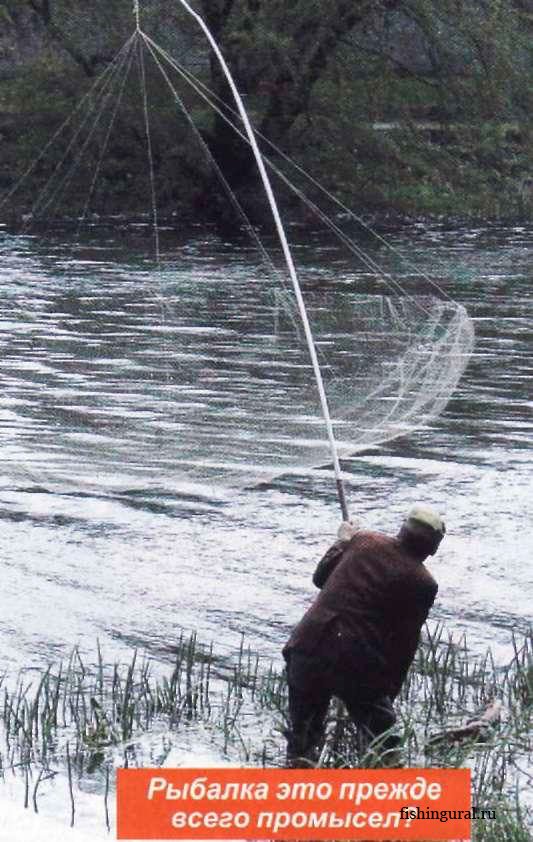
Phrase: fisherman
(358, 638)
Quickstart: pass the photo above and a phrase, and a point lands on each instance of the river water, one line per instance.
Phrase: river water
(103, 538)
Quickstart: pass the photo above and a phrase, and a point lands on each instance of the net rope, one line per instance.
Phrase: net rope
(251, 231)
(149, 151)
(53, 191)
(224, 111)
(352, 246)
(107, 137)
(87, 102)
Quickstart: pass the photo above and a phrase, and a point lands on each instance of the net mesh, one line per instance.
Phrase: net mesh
(389, 365)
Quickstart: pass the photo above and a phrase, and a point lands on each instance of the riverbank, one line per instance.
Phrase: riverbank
(77, 723)
(475, 171)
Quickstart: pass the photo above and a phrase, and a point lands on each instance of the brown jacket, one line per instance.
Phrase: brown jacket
(375, 597)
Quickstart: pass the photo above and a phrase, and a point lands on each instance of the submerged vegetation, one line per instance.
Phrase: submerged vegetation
(80, 722)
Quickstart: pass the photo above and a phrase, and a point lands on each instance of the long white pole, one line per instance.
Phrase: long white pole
(286, 252)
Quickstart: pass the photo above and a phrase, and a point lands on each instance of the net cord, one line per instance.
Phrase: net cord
(282, 301)
(55, 187)
(100, 82)
(152, 49)
(281, 298)
(146, 116)
(350, 244)
(105, 145)
(286, 252)
(212, 98)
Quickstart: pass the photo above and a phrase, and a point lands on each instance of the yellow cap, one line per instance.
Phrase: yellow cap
(426, 516)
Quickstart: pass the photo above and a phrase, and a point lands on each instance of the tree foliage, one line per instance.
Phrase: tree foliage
(318, 76)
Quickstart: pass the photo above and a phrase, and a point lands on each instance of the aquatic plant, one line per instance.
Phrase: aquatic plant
(81, 721)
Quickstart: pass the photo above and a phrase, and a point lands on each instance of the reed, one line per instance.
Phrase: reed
(81, 720)
(446, 687)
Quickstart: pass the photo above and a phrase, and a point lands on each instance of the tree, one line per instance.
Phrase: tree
(316, 76)
(278, 52)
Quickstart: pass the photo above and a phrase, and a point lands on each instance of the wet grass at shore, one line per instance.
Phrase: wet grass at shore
(81, 721)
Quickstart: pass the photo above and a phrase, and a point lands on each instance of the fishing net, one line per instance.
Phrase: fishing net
(209, 381)
(389, 366)
(204, 376)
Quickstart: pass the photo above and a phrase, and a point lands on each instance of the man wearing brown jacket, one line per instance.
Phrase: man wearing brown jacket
(359, 636)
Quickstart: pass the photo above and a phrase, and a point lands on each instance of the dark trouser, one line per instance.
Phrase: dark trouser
(312, 683)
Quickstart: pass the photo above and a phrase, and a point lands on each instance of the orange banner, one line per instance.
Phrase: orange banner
(295, 804)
